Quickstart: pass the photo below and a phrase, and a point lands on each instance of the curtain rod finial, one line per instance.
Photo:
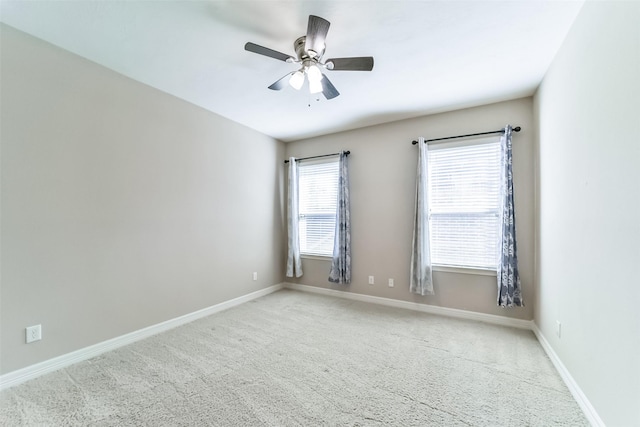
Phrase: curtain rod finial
(517, 129)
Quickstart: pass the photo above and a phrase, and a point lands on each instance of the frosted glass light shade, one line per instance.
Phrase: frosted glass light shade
(315, 77)
(296, 80)
(314, 74)
(315, 86)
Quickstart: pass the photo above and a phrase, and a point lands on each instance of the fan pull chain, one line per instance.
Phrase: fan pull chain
(310, 96)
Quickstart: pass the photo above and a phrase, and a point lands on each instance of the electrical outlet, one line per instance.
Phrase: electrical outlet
(255, 275)
(558, 328)
(34, 333)
(371, 281)
(391, 285)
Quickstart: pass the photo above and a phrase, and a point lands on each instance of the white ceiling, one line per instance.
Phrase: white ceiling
(430, 56)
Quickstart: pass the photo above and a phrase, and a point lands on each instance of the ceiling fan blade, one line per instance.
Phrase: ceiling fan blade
(362, 63)
(317, 30)
(261, 50)
(281, 83)
(328, 89)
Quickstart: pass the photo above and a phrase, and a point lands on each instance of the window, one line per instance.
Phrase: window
(318, 194)
(464, 200)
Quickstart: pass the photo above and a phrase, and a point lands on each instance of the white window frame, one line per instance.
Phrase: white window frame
(324, 245)
(438, 264)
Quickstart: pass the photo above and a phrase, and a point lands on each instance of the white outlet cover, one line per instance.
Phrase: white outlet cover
(33, 333)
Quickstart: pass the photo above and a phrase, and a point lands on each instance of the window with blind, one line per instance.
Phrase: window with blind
(317, 198)
(464, 196)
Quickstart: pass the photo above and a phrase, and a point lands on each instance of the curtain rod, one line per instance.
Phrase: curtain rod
(515, 129)
(316, 157)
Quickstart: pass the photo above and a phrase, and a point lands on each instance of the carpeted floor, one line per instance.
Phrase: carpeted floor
(299, 359)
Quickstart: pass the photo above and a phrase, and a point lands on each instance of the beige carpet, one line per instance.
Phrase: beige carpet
(298, 359)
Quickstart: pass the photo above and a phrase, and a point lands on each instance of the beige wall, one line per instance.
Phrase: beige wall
(588, 207)
(122, 206)
(382, 173)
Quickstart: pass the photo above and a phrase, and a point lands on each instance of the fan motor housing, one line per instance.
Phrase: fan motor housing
(302, 53)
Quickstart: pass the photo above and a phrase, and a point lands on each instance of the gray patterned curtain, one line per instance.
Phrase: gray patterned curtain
(509, 289)
(421, 274)
(294, 263)
(341, 262)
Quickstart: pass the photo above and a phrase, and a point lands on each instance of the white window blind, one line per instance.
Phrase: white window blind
(318, 194)
(464, 195)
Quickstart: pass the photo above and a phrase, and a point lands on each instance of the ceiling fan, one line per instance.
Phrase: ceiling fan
(309, 50)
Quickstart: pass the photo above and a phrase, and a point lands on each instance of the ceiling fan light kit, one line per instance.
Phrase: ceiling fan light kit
(309, 51)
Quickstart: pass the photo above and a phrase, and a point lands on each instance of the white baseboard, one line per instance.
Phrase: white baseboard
(576, 391)
(30, 372)
(432, 309)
